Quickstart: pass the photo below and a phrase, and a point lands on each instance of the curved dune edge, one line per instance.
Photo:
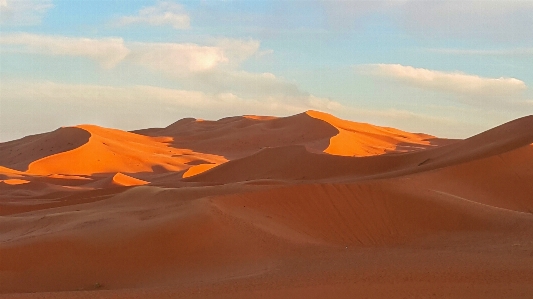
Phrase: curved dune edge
(197, 169)
(259, 117)
(110, 150)
(126, 180)
(11, 172)
(360, 139)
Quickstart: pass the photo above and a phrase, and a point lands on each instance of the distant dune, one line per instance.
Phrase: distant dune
(305, 206)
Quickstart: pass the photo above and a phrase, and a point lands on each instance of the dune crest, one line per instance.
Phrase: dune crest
(197, 169)
(361, 140)
(110, 150)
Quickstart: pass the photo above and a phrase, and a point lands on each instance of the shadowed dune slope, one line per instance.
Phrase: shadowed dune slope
(503, 180)
(374, 213)
(235, 137)
(110, 150)
(149, 236)
(294, 162)
(144, 236)
(503, 138)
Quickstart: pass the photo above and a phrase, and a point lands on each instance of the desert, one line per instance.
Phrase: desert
(304, 206)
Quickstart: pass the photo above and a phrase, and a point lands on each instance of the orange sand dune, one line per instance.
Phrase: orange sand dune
(18, 154)
(110, 150)
(162, 213)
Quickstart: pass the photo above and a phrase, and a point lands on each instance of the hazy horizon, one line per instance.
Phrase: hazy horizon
(446, 68)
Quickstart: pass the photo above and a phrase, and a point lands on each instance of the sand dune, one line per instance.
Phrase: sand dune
(18, 154)
(360, 139)
(296, 163)
(305, 206)
(236, 137)
(110, 150)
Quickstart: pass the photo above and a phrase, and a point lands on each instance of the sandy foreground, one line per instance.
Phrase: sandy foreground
(306, 206)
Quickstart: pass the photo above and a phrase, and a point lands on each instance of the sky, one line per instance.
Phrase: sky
(447, 68)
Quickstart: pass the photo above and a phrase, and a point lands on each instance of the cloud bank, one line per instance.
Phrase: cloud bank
(452, 82)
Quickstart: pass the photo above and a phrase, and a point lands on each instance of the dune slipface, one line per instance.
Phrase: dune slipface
(305, 206)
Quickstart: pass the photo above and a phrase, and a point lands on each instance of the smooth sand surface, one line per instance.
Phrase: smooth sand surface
(305, 206)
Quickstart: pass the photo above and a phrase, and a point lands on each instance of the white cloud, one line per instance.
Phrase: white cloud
(163, 13)
(455, 82)
(107, 51)
(178, 59)
(23, 12)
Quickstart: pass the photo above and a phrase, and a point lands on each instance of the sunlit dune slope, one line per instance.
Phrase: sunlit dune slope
(110, 150)
(18, 154)
(6, 173)
(236, 137)
(14, 181)
(361, 139)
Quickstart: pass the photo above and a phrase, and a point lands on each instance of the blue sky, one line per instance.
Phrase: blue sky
(448, 68)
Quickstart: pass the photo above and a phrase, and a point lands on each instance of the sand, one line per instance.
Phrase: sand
(305, 206)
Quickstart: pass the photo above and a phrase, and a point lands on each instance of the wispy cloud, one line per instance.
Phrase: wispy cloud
(23, 12)
(452, 82)
(107, 51)
(502, 52)
(164, 13)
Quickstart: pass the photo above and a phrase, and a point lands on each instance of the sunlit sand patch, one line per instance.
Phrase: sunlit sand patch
(14, 181)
